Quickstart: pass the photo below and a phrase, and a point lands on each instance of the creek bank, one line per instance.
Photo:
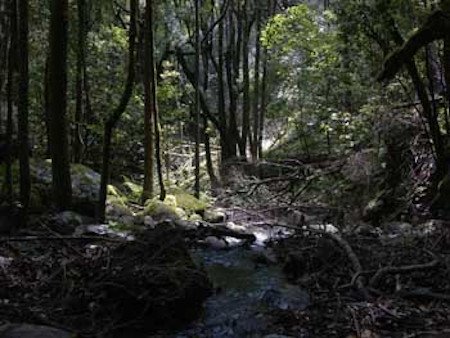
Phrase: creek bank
(99, 286)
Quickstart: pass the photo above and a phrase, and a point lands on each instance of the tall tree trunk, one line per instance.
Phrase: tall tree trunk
(24, 144)
(162, 193)
(149, 123)
(62, 188)
(112, 121)
(264, 93)
(78, 143)
(10, 99)
(232, 135)
(208, 50)
(46, 107)
(256, 93)
(246, 79)
(197, 99)
(221, 94)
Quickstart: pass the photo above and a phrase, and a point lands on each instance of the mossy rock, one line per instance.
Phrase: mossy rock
(160, 211)
(195, 218)
(132, 190)
(189, 203)
(113, 191)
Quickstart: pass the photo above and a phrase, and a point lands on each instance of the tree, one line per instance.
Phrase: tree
(197, 100)
(24, 145)
(436, 27)
(79, 82)
(152, 123)
(112, 120)
(62, 187)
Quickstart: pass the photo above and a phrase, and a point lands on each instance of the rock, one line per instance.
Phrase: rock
(149, 222)
(189, 203)
(32, 331)
(160, 211)
(214, 216)
(132, 190)
(195, 218)
(276, 336)
(264, 257)
(399, 228)
(328, 228)
(289, 297)
(66, 222)
(216, 243)
(127, 221)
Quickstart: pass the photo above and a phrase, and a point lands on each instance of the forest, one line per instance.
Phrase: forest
(224, 168)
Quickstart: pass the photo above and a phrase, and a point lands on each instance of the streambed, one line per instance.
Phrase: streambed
(249, 287)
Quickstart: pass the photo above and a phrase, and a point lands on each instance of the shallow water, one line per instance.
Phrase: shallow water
(246, 291)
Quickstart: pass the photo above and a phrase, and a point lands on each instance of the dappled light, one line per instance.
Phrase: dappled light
(224, 168)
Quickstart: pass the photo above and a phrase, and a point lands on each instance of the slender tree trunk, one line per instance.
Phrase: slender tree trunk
(264, 93)
(208, 49)
(263, 104)
(62, 188)
(246, 79)
(209, 161)
(256, 93)
(149, 150)
(221, 94)
(197, 99)
(10, 99)
(157, 125)
(232, 132)
(46, 108)
(112, 121)
(24, 144)
(78, 143)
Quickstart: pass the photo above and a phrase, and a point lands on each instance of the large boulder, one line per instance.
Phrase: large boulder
(161, 211)
(85, 185)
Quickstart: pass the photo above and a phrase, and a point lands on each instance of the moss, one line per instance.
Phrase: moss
(117, 201)
(159, 210)
(190, 203)
(132, 190)
(195, 218)
(113, 191)
(171, 200)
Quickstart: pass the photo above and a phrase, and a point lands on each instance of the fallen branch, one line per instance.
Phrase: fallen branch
(374, 281)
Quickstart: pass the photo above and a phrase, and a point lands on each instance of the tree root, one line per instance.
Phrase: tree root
(375, 280)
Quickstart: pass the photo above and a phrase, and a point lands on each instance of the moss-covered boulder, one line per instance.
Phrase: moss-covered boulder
(189, 203)
(132, 190)
(85, 187)
(161, 211)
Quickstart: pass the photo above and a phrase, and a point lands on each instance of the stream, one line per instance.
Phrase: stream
(249, 286)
